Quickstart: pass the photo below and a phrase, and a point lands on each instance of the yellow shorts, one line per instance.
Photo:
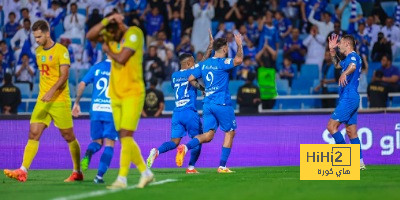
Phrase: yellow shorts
(60, 112)
(126, 112)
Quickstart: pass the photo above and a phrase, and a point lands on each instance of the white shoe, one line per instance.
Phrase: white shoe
(362, 166)
(117, 185)
(153, 155)
(146, 178)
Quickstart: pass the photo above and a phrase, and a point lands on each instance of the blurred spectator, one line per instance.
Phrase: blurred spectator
(381, 47)
(54, 11)
(153, 66)
(22, 35)
(162, 45)
(315, 44)
(25, 14)
(94, 18)
(233, 15)
(284, 25)
(154, 23)
(266, 57)
(250, 50)
(269, 33)
(25, 72)
(37, 8)
(294, 48)
(185, 46)
(232, 47)
(372, 30)
(203, 12)
(248, 96)
(74, 24)
(221, 31)
(377, 91)
(199, 56)
(325, 26)
(8, 58)
(391, 75)
(337, 30)
(11, 27)
(175, 24)
(245, 69)
(397, 14)
(221, 7)
(154, 101)
(93, 5)
(3, 67)
(133, 9)
(252, 30)
(392, 34)
(349, 12)
(11, 6)
(306, 6)
(329, 81)
(92, 54)
(171, 64)
(10, 96)
(287, 71)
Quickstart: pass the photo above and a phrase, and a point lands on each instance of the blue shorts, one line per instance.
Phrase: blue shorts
(185, 121)
(215, 115)
(346, 111)
(103, 129)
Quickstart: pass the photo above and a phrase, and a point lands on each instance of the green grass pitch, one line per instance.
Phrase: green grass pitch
(377, 182)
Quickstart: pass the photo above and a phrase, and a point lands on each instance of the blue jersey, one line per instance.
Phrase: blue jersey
(215, 74)
(185, 93)
(350, 90)
(269, 34)
(99, 75)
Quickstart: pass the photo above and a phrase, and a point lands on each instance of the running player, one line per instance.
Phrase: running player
(53, 102)
(124, 45)
(102, 129)
(217, 108)
(349, 99)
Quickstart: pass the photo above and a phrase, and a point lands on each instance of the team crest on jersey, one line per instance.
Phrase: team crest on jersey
(353, 58)
(133, 38)
(228, 61)
(43, 58)
(51, 58)
(66, 56)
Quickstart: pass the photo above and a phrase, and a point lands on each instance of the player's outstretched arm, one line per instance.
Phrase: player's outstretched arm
(239, 55)
(193, 81)
(343, 77)
(210, 46)
(64, 73)
(333, 43)
(76, 109)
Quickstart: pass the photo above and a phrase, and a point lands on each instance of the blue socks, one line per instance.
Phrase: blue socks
(193, 143)
(92, 149)
(194, 155)
(339, 139)
(166, 146)
(224, 156)
(357, 141)
(105, 160)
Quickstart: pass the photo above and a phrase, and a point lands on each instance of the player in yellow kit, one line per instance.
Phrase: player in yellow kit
(127, 91)
(53, 102)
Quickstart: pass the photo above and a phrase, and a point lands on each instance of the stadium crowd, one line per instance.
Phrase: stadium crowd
(285, 42)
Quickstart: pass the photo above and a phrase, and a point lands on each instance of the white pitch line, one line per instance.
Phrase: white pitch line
(104, 192)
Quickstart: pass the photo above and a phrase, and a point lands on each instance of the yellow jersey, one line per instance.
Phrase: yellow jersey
(127, 80)
(49, 62)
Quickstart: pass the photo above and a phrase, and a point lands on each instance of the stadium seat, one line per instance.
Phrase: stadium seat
(22, 107)
(234, 86)
(364, 102)
(301, 86)
(87, 93)
(25, 90)
(81, 73)
(72, 90)
(167, 89)
(290, 104)
(372, 67)
(36, 78)
(59, 30)
(72, 76)
(282, 86)
(82, 11)
(395, 102)
(279, 58)
(35, 91)
(389, 7)
(76, 41)
(309, 71)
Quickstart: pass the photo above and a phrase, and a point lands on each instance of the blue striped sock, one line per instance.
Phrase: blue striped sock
(194, 155)
(166, 146)
(224, 156)
(339, 139)
(105, 160)
(357, 141)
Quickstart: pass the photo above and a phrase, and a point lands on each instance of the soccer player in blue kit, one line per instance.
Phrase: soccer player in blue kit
(217, 108)
(349, 99)
(102, 129)
(185, 117)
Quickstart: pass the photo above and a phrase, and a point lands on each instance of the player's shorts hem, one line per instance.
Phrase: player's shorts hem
(39, 122)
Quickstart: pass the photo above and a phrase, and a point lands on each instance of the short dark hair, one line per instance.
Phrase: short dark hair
(7, 78)
(219, 43)
(24, 9)
(153, 82)
(27, 20)
(12, 13)
(287, 57)
(73, 4)
(251, 76)
(184, 56)
(378, 74)
(351, 39)
(3, 42)
(246, 58)
(387, 56)
(41, 25)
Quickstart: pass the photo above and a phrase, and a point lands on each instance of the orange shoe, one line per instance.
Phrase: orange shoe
(191, 171)
(18, 174)
(180, 155)
(224, 170)
(75, 176)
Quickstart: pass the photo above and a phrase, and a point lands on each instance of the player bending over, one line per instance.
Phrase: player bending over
(217, 108)
(349, 99)
(124, 45)
(53, 102)
(102, 129)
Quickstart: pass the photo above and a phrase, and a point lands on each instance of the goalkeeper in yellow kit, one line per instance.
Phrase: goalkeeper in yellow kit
(127, 91)
(53, 102)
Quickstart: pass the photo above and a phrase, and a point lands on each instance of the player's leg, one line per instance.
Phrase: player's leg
(31, 148)
(96, 134)
(194, 128)
(351, 130)
(337, 117)
(226, 118)
(105, 160)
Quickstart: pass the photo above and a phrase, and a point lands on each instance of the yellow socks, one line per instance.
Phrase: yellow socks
(137, 158)
(130, 152)
(75, 151)
(31, 149)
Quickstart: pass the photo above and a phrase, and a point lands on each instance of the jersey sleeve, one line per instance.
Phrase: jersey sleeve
(132, 39)
(89, 76)
(196, 72)
(227, 64)
(64, 56)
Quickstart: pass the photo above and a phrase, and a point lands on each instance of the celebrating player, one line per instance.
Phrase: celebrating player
(53, 102)
(124, 45)
(349, 99)
(217, 108)
(102, 129)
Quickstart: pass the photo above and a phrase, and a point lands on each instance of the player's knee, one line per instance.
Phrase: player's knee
(209, 136)
(34, 135)
(232, 134)
(332, 128)
(109, 143)
(68, 136)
